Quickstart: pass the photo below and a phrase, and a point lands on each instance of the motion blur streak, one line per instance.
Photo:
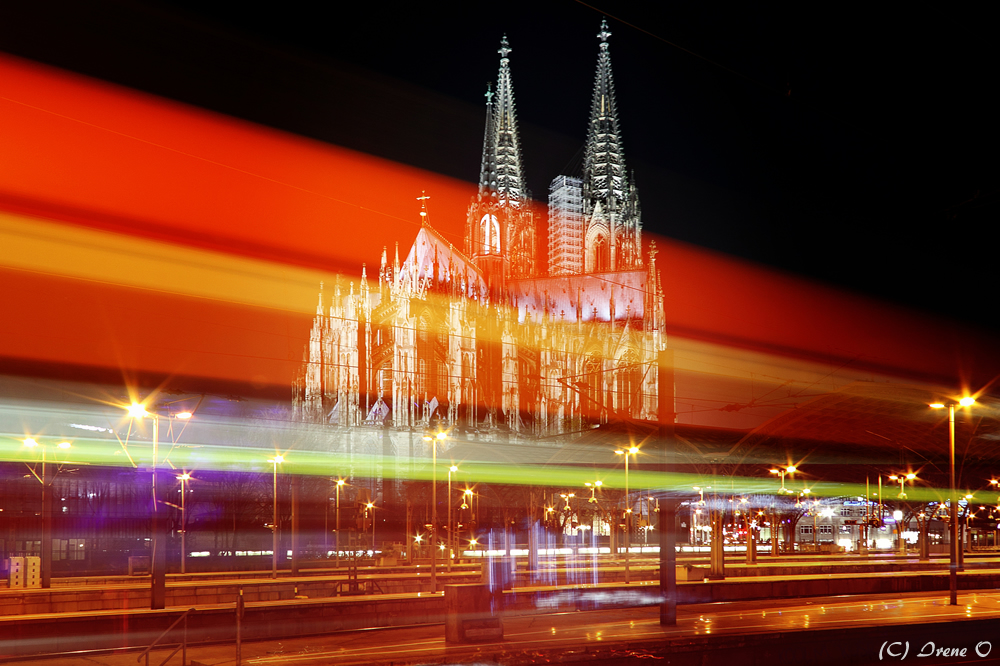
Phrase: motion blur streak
(88, 154)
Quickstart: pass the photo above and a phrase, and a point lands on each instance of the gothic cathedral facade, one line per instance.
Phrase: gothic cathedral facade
(480, 339)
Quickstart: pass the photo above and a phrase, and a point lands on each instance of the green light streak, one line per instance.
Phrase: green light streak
(95, 451)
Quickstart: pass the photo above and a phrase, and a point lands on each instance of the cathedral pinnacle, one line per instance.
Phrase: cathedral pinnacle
(604, 34)
(504, 48)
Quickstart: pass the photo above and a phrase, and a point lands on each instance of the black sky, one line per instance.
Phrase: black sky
(852, 144)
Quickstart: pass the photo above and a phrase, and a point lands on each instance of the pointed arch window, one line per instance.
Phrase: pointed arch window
(601, 259)
(490, 233)
(628, 384)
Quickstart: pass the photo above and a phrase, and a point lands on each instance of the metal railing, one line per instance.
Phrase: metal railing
(180, 646)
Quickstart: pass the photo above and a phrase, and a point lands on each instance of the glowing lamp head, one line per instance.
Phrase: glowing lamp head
(893, 477)
(442, 435)
(453, 468)
(341, 482)
(63, 445)
(911, 476)
(184, 477)
(183, 415)
(633, 450)
(937, 405)
(30, 443)
(791, 469)
(137, 411)
(967, 401)
(598, 483)
(277, 459)
(370, 505)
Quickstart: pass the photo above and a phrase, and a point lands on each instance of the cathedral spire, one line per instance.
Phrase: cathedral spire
(604, 172)
(500, 230)
(510, 177)
(488, 170)
(613, 233)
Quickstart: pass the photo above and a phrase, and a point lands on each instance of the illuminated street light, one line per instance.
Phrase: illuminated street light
(370, 506)
(782, 471)
(441, 436)
(953, 563)
(158, 561)
(593, 489)
(276, 460)
(902, 478)
(628, 510)
(46, 556)
(340, 484)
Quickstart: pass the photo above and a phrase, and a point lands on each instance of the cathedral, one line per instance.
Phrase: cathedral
(484, 340)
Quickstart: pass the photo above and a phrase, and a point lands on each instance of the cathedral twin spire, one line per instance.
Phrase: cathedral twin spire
(500, 233)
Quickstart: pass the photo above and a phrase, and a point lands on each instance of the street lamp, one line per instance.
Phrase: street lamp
(158, 561)
(902, 478)
(434, 507)
(628, 510)
(782, 471)
(451, 541)
(184, 478)
(46, 555)
(275, 461)
(340, 484)
(371, 507)
(593, 489)
(953, 564)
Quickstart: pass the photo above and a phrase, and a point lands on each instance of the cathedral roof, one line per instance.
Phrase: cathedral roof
(454, 268)
(560, 297)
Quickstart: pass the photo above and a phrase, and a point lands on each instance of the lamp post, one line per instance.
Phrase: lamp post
(953, 513)
(628, 510)
(340, 484)
(451, 539)
(275, 461)
(46, 554)
(184, 478)
(371, 507)
(782, 471)
(434, 506)
(158, 561)
(902, 478)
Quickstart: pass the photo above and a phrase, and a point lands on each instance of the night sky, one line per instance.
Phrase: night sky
(855, 145)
